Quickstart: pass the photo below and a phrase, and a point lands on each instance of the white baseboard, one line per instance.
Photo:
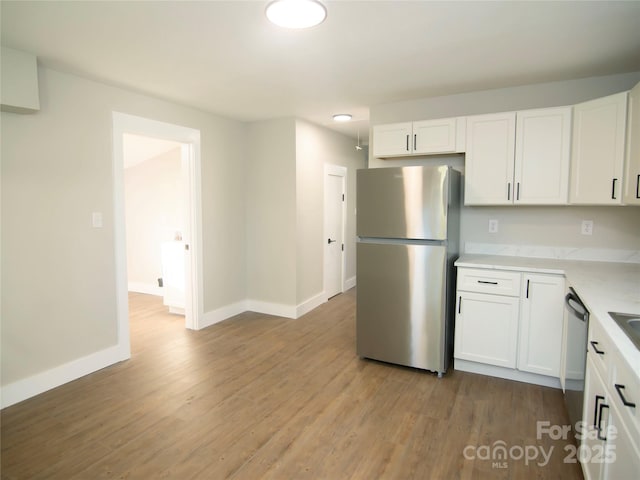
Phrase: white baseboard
(148, 288)
(349, 283)
(215, 316)
(508, 373)
(26, 388)
(41, 382)
(310, 304)
(259, 306)
(268, 308)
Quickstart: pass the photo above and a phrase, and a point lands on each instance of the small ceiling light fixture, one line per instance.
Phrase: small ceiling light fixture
(296, 13)
(342, 117)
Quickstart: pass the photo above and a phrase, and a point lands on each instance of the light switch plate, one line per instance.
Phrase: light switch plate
(493, 226)
(96, 219)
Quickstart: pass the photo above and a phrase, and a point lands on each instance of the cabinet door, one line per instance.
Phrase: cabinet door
(543, 139)
(489, 159)
(434, 136)
(392, 139)
(598, 150)
(541, 321)
(595, 417)
(487, 329)
(632, 169)
(626, 463)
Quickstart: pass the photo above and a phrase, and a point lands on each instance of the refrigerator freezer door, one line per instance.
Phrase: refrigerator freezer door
(403, 202)
(400, 315)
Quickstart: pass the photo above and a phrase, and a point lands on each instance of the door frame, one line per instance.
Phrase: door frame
(190, 138)
(337, 171)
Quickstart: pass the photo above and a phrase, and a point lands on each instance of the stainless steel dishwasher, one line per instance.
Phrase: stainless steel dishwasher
(575, 355)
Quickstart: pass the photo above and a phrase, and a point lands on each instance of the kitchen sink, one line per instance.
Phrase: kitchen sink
(630, 325)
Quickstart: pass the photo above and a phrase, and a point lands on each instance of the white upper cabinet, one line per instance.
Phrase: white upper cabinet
(543, 146)
(518, 158)
(632, 161)
(392, 139)
(598, 151)
(427, 137)
(434, 136)
(489, 164)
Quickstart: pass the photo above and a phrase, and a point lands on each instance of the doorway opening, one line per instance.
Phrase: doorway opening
(334, 229)
(157, 217)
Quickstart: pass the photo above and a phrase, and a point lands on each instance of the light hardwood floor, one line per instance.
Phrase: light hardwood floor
(265, 397)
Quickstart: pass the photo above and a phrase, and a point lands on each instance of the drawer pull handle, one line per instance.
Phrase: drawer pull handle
(596, 411)
(599, 427)
(487, 283)
(625, 402)
(595, 348)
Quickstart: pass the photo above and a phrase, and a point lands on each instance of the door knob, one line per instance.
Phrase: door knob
(329, 241)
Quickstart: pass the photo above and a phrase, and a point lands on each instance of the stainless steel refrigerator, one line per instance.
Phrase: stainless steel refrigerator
(408, 222)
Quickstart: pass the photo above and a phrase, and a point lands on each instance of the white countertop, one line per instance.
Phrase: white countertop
(602, 286)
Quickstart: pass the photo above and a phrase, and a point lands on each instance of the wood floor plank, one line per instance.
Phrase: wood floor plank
(262, 397)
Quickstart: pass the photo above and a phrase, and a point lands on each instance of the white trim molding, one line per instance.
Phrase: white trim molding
(223, 313)
(146, 288)
(269, 308)
(349, 283)
(125, 123)
(41, 382)
(310, 303)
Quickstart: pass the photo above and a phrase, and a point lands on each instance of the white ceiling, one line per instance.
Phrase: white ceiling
(226, 58)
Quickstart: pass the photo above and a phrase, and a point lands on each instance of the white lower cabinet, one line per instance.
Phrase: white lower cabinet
(627, 456)
(487, 328)
(541, 322)
(595, 416)
(608, 450)
(517, 328)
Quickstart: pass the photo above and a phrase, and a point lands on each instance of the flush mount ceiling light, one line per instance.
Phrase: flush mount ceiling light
(296, 13)
(342, 117)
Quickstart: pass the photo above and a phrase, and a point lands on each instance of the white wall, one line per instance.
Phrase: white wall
(315, 147)
(614, 227)
(154, 210)
(285, 211)
(271, 212)
(58, 273)
(538, 95)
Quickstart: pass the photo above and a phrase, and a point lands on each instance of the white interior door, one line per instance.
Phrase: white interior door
(334, 201)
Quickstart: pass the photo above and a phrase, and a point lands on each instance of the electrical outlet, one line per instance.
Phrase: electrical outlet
(493, 226)
(587, 227)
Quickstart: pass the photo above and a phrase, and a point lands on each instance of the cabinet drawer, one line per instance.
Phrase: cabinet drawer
(498, 282)
(599, 348)
(625, 392)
